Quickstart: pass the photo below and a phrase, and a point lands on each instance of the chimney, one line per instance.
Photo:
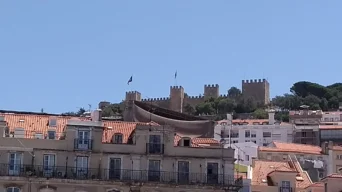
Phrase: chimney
(325, 147)
(330, 145)
(96, 115)
(271, 114)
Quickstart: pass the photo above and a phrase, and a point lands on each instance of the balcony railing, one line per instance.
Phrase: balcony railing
(83, 144)
(154, 148)
(121, 175)
(285, 189)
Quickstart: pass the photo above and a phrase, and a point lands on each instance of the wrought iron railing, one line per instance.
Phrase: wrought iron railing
(123, 175)
(83, 144)
(285, 189)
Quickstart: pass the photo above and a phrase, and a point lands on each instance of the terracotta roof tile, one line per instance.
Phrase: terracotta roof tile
(292, 147)
(337, 148)
(262, 171)
(330, 126)
(334, 175)
(40, 124)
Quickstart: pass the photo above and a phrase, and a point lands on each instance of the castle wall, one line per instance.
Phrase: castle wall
(163, 102)
(193, 100)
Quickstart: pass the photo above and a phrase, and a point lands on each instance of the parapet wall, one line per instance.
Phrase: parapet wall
(156, 99)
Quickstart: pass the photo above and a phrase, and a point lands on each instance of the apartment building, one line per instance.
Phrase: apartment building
(331, 116)
(278, 176)
(335, 159)
(259, 131)
(329, 133)
(66, 154)
(312, 159)
(306, 126)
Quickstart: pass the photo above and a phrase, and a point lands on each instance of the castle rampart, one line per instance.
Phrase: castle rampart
(256, 88)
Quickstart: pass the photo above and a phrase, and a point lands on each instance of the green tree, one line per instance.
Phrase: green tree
(260, 114)
(205, 109)
(189, 109)
(111, 110)
(234, 92)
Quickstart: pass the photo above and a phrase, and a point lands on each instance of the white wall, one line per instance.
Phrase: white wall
(278, 133)
(244, 149)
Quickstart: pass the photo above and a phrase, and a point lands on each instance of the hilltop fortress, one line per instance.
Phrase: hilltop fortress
(178, 99)
(258, 89)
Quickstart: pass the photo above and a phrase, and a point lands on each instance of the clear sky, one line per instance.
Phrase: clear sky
(60, 55)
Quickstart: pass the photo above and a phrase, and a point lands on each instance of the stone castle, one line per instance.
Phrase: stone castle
(178, 99)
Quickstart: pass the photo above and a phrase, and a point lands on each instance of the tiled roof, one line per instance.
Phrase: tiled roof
(32, 124)
(334, 175)
(262, 170)
(248, 122)
(330, 126)
(318, 186)
(337, 148)
(292, 147)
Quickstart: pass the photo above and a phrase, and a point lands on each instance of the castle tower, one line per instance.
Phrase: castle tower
(211, 91)
(257, 89)
(176, 98)
(133, 95)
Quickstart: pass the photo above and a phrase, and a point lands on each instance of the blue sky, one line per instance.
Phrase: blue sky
(60, 55)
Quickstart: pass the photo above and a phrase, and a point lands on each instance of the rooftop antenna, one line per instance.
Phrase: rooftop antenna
(89, 107)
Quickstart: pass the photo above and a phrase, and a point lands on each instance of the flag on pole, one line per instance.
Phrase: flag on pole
(176, 75)
(130, 80)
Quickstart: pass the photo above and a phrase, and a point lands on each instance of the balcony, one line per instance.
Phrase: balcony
(122, 175)
(83, 144)
(154, 148)
(285, 189)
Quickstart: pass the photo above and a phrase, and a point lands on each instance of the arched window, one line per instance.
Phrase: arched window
(13, 189)
(117, 138)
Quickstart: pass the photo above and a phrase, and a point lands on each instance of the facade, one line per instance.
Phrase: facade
(312, 159)
(329, 133)
(334, 116)
(306, 126)
(335, 159)
(55, 154)
(259, 131)
(275, 176)
(331, 183)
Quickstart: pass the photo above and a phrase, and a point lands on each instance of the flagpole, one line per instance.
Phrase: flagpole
(176, 78)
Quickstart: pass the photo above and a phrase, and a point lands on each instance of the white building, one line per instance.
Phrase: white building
(244, 152)
(259, 131)
(334, 116)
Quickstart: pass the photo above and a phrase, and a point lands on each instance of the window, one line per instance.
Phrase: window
(52, 122)
(284, 157)
(247, 140)
(253, 134)
(212, 173)
(154, 170)
(51, 134)
(81, 166)
(235, 141)
(48, 164)
(339, 157)
(186, 142)
(38, 136)
(155, 146)
(320, 174)
(285, 186)
(117, 138)
(12, 189)
(19, 133)
(254, 141)
(247, 133)
(183, 171)
(303, 134)
(114, 168)
(266, 134)
(247, 157)
(234, 134)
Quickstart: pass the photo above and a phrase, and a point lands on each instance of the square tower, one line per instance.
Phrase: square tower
(176, 98)
(257, 89)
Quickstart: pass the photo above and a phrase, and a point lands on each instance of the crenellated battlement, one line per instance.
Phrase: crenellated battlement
(156, 99)
(254, 81)
(132, 92)
(224, 95)
(211, 86)
(195, 97)
(176, 87)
